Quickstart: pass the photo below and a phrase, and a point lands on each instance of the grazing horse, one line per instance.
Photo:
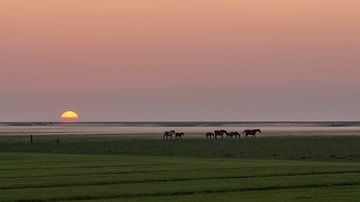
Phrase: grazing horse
(209, 135)
(169, 134)
(220, 133)
(251, 132)
(179, 135)
(233, 134)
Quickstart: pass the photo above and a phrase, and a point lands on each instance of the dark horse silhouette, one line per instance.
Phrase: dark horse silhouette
(220, 133)
(251, 132)
(169, 134)
(233, 134)
(209, 135)
(179, 135)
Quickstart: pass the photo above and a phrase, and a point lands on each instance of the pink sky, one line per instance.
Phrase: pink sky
(180, 60)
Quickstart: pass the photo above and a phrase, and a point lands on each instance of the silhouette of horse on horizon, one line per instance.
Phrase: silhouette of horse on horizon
(220, 133)
(209, 135)
(169, 134)
(252, 132)
(179, 135)
(233, 134)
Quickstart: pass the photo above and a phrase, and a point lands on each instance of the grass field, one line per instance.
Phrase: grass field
(121, 169)
(316, 148)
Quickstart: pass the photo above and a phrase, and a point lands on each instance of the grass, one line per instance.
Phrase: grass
(321, 148)
(64, 177)
(81, 169)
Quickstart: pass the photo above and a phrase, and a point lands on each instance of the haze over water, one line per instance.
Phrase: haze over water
(192, 129)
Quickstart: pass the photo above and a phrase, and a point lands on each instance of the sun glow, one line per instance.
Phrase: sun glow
(69, 116)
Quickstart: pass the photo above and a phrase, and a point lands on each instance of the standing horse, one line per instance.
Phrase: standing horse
(169, 134)
(220, 133)
(251, 132)
(179, 135)
(209, 135)
(237, 134)
(233, 134)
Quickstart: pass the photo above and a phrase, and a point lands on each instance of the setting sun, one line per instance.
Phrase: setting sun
(69, 116)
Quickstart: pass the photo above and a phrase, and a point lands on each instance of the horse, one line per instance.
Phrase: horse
(251, 132)
(169, 134)
(233, 134)
(209, 135)
(220, 133)
(179, 135)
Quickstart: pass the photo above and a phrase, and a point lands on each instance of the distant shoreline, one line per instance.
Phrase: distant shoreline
(194, 123)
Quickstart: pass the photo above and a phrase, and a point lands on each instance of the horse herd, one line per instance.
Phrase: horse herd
(215, 134)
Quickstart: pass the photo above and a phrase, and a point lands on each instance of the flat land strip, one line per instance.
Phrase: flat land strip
(316, 148)
(125, 169)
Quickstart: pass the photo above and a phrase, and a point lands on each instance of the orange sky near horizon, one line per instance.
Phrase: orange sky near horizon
(180, 60)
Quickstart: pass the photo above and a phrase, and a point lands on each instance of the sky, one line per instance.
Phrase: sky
(170, 60)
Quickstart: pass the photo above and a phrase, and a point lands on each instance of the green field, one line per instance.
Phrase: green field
(82, 168)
